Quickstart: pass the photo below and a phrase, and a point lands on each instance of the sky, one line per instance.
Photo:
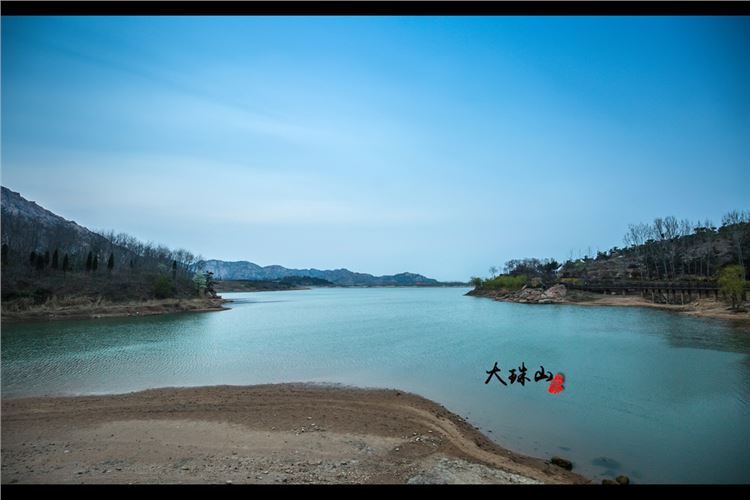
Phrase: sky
(434, 145)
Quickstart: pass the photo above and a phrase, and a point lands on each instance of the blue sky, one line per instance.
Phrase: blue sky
(383, 144)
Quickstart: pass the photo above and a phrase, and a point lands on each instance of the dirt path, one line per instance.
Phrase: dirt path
(290, 433)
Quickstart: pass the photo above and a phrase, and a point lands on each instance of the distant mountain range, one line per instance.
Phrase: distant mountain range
(27, 226)
(244, 270)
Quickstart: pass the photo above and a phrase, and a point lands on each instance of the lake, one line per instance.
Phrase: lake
(655, 395)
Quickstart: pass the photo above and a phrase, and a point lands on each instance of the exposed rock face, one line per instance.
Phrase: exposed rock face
(529, 295)
(554, 295)
(244, 270)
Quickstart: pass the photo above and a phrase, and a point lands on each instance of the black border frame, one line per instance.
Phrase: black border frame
(371, 7)
(368, 8)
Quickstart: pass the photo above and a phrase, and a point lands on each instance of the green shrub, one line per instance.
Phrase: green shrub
(732, 286)
(505, 281)
(41, 295)
(163, 288)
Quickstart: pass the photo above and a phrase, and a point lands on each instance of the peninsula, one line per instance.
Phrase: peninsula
(691, 268)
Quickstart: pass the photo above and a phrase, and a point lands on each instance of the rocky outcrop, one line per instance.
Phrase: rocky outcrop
(554, 295)
(562, 462)
(527, 295)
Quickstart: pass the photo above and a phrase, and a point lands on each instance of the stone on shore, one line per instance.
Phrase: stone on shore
(562, 462)
(622, 479)
(555, 293)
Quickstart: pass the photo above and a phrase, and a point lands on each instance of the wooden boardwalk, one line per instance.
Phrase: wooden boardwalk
(675, 292)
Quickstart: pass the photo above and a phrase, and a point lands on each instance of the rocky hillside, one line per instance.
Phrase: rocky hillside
(244, 270)
(47, 258)
(687, 257)
(27, 226)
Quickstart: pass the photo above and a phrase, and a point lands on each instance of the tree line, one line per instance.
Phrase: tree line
(517, 272)
(124, 253)
(669, 249)
(666, 249)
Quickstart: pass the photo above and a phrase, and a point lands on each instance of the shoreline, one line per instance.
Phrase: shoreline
(356, 287)
(114, 310)
(701, 308)
(87, 309)
(269, 434)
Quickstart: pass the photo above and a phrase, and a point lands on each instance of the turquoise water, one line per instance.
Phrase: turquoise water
(654, 395)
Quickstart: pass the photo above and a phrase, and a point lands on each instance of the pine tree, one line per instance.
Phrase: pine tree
(95, 264)
(111, 262)
(174, 270)
(89, 261)
(46, 258)
(5, 254)
(66, 264)
(39, 262)
(32, 259)
(55, 261)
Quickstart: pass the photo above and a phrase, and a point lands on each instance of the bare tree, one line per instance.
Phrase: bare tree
(735, 217)
(636, 237)
(685, 230)
(659, 233)
(732, 221)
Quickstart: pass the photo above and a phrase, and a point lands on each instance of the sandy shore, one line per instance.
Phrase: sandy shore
(113, 309)
(290, 433)
(702, 308)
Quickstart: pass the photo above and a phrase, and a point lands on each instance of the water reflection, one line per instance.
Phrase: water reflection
(643, 386)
